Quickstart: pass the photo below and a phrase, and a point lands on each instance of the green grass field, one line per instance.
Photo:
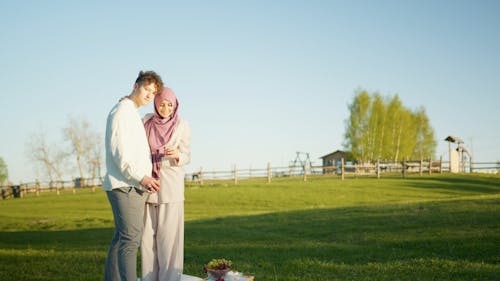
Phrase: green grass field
(439, 227)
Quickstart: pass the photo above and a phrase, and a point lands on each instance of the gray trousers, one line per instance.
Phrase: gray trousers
(127, 204)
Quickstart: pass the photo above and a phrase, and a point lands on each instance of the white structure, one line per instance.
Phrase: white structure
(457, 156)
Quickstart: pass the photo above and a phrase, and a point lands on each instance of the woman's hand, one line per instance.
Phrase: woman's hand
(172, 153)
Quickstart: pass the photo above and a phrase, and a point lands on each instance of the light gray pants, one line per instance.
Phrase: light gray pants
(162, 245)
(127, 204)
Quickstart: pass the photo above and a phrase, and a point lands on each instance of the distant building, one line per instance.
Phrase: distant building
(334, 159)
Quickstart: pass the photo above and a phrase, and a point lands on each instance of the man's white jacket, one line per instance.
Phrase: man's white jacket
(128, 157)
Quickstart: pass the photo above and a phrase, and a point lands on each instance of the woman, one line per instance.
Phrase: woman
(169, 136)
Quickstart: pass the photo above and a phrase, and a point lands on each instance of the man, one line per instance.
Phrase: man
(128, 177)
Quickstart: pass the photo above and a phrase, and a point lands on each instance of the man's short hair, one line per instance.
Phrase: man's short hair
(148, 77)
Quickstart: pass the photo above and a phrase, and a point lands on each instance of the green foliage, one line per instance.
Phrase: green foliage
(382, 128)
(425, 141)
(376, 127)
(4, 172)
(356, 134)
(443, 227)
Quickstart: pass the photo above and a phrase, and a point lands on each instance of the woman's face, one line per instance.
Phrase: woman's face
(166, 108)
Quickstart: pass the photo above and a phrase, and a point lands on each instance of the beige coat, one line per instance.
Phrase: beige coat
(172, 172)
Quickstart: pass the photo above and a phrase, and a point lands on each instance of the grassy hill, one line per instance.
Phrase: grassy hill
(439, 227)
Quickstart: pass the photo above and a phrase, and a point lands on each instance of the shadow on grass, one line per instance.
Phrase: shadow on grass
(479, 184)
(341, 243)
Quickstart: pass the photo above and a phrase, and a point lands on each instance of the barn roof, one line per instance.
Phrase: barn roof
(335, 152)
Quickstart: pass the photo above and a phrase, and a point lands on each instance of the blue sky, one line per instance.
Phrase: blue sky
(257, 80)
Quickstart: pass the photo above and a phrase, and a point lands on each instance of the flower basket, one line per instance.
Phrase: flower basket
(217, 273)
(217, 268)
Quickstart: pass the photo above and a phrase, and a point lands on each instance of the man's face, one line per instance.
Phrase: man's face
(144, 93)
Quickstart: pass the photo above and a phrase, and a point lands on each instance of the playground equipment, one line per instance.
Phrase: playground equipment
(302, 161)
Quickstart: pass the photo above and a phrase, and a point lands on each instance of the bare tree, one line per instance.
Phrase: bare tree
(86, 146)
(49, 157)
(94, 158)
(77, 133)
(4, 172)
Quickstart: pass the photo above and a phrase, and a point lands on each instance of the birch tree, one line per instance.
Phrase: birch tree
(393, 127)
(406, 137)
(425, 142)
(357, 125)
(383, 128)
(377, 126)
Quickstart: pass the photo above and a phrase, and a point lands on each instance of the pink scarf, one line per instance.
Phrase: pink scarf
(159, 130)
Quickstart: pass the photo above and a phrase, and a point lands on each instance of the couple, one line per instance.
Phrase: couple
(144, 183)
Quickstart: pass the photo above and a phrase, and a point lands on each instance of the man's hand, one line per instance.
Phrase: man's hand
(150, 183)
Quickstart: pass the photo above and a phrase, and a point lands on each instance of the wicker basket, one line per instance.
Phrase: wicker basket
(216, 273)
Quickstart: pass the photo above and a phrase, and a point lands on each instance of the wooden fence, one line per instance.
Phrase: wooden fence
(22, 189)
(342, 170)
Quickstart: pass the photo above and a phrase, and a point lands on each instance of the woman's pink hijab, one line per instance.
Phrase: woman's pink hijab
(159, 130)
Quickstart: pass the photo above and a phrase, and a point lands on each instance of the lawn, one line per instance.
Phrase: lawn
(439, 227)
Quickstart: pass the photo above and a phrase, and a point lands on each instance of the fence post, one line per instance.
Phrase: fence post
(21, 192)
(404, 167)
(268, 172)
(26, 189)
(342, 168)
(441, 164)
(74, 185)
(421, 168)
(235, 175)
(201, 175)
(378, 168)
(430, 165)
(470, 161)
(37, 186)
(305, 172)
